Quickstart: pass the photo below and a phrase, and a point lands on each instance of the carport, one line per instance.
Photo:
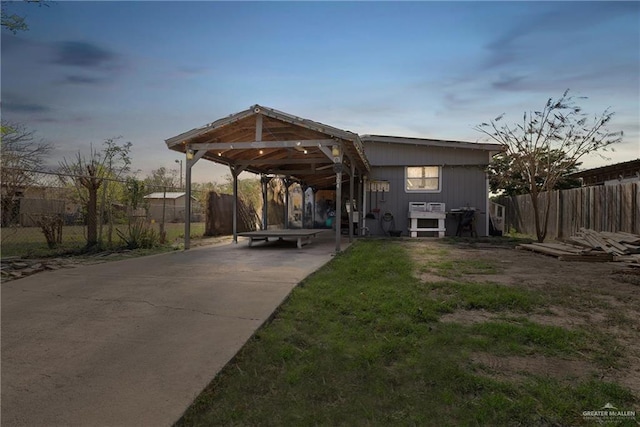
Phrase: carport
(274, 144)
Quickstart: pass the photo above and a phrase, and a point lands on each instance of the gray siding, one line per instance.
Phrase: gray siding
(462, 186)
(386, 154)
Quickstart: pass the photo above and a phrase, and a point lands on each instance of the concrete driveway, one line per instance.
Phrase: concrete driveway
(134, 342)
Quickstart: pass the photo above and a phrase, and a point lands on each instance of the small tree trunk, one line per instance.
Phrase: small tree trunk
(545, 224)
(536, 216)
(92, 216)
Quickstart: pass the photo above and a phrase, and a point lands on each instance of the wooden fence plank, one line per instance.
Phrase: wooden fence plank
(613, 208)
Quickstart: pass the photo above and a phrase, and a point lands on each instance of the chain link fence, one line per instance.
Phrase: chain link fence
(42, 211)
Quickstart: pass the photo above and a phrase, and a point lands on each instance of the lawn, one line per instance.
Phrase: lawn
(30, 242)
(378, 337)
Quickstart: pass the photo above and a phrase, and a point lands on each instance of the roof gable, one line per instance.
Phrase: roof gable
(266, 141)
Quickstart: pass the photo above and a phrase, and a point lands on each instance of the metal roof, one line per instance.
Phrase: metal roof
(167, 195)
(601, 174)
(432, 142)
(266, 141)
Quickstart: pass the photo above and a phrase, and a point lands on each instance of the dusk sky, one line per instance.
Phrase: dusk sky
(147, 71)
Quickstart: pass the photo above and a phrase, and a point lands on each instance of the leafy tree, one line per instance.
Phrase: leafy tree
(560, 127)
(162, 178)
(134, 196)
(21, 156)
(14, 22)
(249, 189)
(506, 180)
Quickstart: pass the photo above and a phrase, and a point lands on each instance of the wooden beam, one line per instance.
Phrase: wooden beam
(258, 127)
(263, 144)
(285, 161)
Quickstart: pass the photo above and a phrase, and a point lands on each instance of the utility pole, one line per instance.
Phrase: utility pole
(180, 161)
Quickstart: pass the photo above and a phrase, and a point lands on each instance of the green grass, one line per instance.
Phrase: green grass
(30, 242)
(459, 267)
(359, 343)
(485, 296)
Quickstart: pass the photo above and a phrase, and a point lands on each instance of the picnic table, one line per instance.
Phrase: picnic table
(303, 236)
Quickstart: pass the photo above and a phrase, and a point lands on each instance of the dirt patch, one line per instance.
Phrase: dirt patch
(594, 297)
(515, 367)
(468, 317)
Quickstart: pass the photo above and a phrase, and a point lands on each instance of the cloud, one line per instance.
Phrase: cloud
(192, 70)
(84, 55)
(542, 28)
(83, 80)
(506, 82)
(23, 106)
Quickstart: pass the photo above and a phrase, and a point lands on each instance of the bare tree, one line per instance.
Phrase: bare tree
(90, 173)
(21, 155)
(560, 127)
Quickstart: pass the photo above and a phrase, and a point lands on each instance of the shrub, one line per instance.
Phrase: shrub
(139, 235)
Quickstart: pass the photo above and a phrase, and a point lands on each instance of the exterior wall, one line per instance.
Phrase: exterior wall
(385, 154)
(173, 209)
(463, 184)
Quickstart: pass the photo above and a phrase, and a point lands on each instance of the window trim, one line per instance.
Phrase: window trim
(421, 190)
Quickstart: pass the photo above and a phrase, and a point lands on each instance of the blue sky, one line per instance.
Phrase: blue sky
(147, 71)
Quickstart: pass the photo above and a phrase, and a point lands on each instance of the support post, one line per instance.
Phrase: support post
(264, 181)
(187, 206)
(234, 173)
(351, 204)
(313, 207)
(304, 188)
(192, 158)
(337, 152)
(287, 183)
(338, 217)
(365, 186)
(360, 205)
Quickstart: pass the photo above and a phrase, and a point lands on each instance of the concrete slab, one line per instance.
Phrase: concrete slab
(133, 342)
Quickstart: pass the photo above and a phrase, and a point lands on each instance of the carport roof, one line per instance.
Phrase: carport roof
(266, 141)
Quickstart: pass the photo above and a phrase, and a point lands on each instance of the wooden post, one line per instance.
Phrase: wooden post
(360, 205)
(234, 173)
(187, 206)
(192, 158)
(287, 183)
(559, 219)
(264, 180)
(163, 234)
(337, 218)
(304, 188)
(351, 184)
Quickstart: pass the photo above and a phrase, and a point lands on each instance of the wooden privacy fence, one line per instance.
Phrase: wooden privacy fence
(219, 215)
(601, 208)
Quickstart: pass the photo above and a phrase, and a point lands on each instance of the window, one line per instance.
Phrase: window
(422, 179)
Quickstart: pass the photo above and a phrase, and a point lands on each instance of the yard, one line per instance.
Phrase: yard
(30, 241)
(442, 333)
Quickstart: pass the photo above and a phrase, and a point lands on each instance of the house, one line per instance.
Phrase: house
(375, 179)
(429, 171)
(169, 206)
(610, 175)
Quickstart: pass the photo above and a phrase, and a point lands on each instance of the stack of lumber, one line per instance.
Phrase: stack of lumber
(590, 245)
(618, 244)
(566, 252)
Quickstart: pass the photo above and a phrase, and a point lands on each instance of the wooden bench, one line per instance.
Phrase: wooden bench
(302, 236)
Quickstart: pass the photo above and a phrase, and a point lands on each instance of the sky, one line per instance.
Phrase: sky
(149, 70)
